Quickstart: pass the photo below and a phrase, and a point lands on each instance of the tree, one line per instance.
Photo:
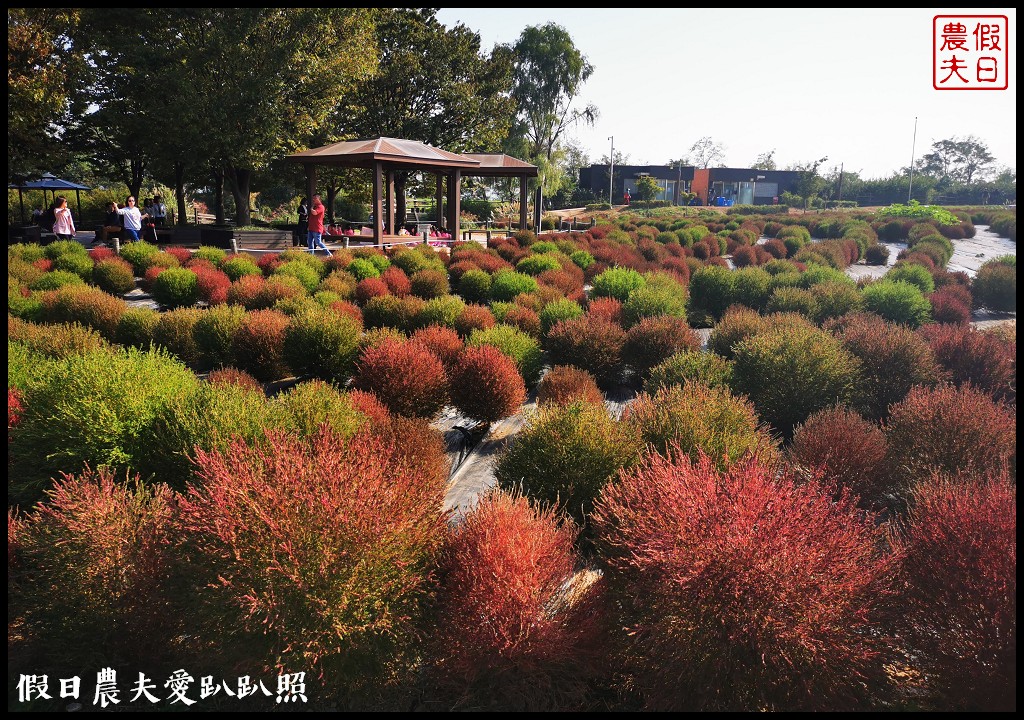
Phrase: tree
(647, 188)
(549, 74)
(433, 85)
(809, 183)
(706, 151)
(957, 160)
(765, 161)
(43, 68)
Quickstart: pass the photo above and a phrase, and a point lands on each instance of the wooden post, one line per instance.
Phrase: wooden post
(439, 198)
(522, 202)
(310, 182)
(391, 202)
(456, 202)
(378, 208)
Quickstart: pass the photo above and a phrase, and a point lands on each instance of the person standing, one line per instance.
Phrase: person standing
(111, 225)
(299, 236)
(625, 197)
(159, 211)
(63, 224)
(315, 234)
(132, 218)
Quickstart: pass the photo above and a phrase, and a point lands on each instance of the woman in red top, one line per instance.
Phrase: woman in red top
(315, 236)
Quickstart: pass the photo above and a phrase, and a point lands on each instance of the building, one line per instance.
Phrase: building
(736, 186)
(673, 180)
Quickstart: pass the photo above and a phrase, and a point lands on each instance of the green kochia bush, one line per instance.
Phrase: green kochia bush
(687, 366)
(91, 408)
(791, 372)
(565, 455)
(995, 285)
(176, 287)
(506, 284)
(321, 343)
(617, 283)
(898, 302)
(524, 350)
(711, 290)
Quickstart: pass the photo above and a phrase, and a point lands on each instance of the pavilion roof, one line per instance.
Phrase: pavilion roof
(364, 153)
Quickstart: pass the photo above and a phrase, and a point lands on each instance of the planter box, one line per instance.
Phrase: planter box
(264, 239)
(216, 236)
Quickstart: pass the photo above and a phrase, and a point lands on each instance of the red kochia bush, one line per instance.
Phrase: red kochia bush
(606, 308)
(212, 285)
(442, 341)
(486, 384)
(590, 343)
(515, 624)
(258, 344)
(959, 595)
(234, 376)
(655, 339)
(842, 447)
(743, 590)
(323, 550)
(396, 280)
(370, 288)
(183, 254)
(564, 384)
(983, 359)
(474, 317)
(949, 429)
(408, 378)
(949, 307)
(525, 319)
(14, 408)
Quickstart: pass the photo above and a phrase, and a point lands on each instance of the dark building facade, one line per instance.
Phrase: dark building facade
(672, 180)
(736, 186)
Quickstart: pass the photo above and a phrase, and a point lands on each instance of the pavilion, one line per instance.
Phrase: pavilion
(386, 156)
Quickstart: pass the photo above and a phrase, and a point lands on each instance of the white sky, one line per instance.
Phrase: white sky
(842, 83)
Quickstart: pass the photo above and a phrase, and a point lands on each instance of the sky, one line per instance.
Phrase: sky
(846, 84)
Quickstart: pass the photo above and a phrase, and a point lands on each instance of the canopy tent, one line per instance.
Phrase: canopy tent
(386, 155)
(49, 181)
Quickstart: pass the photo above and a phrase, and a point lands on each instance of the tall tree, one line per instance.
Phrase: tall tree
(44, 69)
(706, 151)
(549, 75)
(959, 160)
(765, 161)
(434, 85)
(809, 183)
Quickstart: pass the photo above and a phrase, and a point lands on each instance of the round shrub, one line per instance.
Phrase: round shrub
(506, 284)
(751, 287)
(913, 274)
(654, 301)
(536, 264)
(441, 311)
(238, 266)
(835, 299)
(712, 290)
(474, 317)
(397, 281)
(429, 284)
(958, 596)
(391, 311)
(310, 404)
(893, 359)
(791, 372)
(408, 378)
(319, 343)
(605, 308)
(514, 630)
(340, 282)
(686, 366)
(876, 254)
(558, 310)
(589, 343)
(475, 286)
(49, 340)
(950, 430)
(725, 581)
(898, 302)
(90, 408)
(258, 345)
(214, 334)
(176, 287)
(486, 385)
(56, 279)
(738, 323)
(235, 377)
(697, 419)
(114, 536)
(175, 331)
(793, 300)
(136, 326)
(370, 288)
(212, 285)
(949, 307)
(524, 350)
(839, 446)
(565, 384)
(88, 305)
(995, 285)
(984, 360)
(79, 264)
(59, 248)
(362, 268)
(114, 276)
(654, 339)
(582, 259)
(442, 341)
(215, 255)
(617, 283)
(304, 273)
(564, 455)
(361, 524)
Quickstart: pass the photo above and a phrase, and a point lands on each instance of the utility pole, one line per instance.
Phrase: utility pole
(611, 170)
(840, 182)
(913, 147)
